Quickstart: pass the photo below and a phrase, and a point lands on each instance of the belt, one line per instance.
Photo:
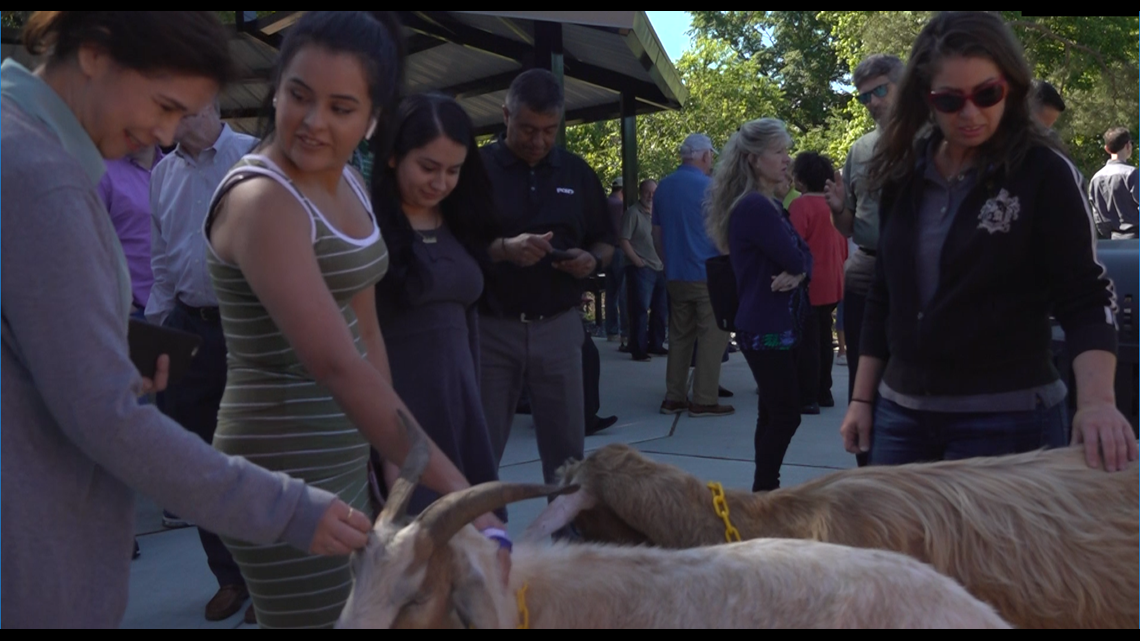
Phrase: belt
(207, 314)
(528, 319)
(870, 252)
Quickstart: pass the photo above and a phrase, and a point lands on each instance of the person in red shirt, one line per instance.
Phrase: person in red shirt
(811, 217)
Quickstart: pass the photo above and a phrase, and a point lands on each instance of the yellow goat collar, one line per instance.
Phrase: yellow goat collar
(524, 611)
(720, 505)
(731, 535)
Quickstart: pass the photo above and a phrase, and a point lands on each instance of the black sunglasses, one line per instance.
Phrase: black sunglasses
(879, 92)
(951, 102)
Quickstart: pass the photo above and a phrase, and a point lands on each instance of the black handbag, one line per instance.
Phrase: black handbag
(722, 292)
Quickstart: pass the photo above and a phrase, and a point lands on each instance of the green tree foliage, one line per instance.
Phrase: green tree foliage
(789, 47)
(724, 92)
(1091, 60)
(796, 65)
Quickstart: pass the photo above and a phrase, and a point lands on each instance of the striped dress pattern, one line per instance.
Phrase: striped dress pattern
(275, 414)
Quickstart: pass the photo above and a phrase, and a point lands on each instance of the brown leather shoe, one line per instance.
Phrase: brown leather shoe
(674, 407)
(226, 602)
(250, 616)
(704, 411)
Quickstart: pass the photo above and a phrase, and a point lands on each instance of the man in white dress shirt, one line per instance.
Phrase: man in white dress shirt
(182, 298)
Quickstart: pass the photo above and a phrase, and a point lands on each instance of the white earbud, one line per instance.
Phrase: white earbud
(371, 130)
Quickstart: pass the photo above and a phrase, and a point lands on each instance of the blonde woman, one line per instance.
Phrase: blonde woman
(772, 266)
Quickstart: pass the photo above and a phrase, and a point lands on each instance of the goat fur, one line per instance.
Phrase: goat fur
(1049, 542)
(763, 584)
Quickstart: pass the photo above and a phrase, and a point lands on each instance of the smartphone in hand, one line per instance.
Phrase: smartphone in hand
(147, 342)
(561, 256)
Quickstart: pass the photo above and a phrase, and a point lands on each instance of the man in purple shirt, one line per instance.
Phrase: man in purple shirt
(125, 190)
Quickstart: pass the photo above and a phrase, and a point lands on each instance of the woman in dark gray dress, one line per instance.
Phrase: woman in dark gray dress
(433, 200)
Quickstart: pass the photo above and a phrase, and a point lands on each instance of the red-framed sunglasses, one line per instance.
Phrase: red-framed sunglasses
(951, 102)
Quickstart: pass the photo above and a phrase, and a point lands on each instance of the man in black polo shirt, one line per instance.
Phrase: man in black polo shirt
(547, 201)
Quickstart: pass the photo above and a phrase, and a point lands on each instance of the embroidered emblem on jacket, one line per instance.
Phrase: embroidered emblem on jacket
(999, 213)
(566, 191)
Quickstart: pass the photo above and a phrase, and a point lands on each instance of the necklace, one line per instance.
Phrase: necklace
(430, 236)
(964, 166)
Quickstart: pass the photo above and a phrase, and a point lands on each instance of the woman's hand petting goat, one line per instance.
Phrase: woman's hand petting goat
(1108, 439)
(341, 531)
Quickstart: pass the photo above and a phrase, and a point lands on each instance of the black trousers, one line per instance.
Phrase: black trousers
(807, 360)
(778, 415)
(194, 403)
(591, 378)
(824, 328)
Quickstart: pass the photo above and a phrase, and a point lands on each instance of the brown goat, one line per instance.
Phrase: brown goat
(1049, 542)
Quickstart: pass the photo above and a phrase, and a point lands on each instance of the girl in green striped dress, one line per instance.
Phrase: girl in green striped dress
(295, 254)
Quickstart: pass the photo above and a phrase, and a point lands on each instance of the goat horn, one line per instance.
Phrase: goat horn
(414, 465)
(451, 513)
(558, 515)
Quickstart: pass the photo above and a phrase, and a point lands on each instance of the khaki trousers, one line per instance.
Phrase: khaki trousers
(691, 320)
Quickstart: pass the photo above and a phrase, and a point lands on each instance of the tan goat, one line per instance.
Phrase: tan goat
(439, 572)
(1049, 542)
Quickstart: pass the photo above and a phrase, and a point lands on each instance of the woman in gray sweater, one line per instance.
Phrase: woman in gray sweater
(75, 441)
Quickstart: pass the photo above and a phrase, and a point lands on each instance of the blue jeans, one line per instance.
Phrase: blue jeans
(646, 307)
(902, 436)
(617, 315)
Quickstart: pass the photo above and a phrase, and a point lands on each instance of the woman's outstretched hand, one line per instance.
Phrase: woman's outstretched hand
(341, 531)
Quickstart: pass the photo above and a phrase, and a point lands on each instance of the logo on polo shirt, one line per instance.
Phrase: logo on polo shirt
(565, 191)
(999, 214)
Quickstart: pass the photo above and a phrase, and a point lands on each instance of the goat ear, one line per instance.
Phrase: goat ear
(451, 513)
(560, 513)
(564, 473)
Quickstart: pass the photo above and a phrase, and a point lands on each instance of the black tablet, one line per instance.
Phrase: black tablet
(148, 342)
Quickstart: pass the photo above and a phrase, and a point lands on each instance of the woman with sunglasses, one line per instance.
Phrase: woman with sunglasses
(985, 233)
(745, 217)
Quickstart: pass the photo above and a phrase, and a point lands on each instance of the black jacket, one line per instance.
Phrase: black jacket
(1021, 247)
